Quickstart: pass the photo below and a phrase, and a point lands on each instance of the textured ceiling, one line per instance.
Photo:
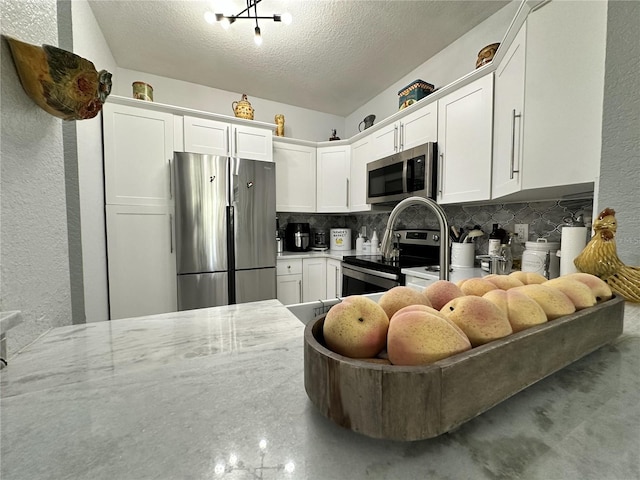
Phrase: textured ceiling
(335, 56)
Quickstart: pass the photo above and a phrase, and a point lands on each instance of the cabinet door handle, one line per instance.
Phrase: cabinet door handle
(228, 142)
(300, 290)
(513, 143)
(235, 141)
(347, 193)
(170, 233)
(170, 182)
(440, 173)
(337, 294)
(401, 136)
(395, 138)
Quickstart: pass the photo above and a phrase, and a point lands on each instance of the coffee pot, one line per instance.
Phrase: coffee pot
(368, 122)
(243, 108)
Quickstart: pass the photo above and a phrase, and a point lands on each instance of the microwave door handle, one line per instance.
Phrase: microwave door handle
(405, 180)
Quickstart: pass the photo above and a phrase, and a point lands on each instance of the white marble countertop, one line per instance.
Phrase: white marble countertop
(456, 274)
(335, 254)
(219, 393)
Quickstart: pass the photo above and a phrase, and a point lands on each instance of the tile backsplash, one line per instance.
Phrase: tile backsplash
(545, 219)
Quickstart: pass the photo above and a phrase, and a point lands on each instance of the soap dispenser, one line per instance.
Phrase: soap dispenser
(375, 244)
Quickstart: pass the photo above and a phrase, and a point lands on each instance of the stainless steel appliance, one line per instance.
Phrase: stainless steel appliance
(370, 274)
(225, 215)
(319, 240)
(297, 237)
(412, 172)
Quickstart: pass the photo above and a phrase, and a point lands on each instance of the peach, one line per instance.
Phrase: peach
(424, 308)
(579, 293)
(397, 297)
(528, 278)
(554, 303)
(480, 319)
(356, 327)
(599, 287)
(523, 312)
(442, 292)
(498, 298)
(418, 337)
(503, 282)
(477, 286)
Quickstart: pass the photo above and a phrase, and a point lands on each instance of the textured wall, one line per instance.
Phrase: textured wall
(33, 219)
(619, 186)
(89, 43)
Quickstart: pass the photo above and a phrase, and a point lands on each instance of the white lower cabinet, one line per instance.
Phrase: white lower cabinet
(314, 279)
(308, 279)
(142, 260)
(289, 280)
(418, 283)
(334, 278)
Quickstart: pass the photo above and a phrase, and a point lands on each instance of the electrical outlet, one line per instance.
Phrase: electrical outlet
(522, 229)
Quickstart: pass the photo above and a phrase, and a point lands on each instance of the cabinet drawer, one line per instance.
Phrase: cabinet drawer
(289, 267)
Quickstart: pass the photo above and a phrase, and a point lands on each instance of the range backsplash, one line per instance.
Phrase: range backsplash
(545, 219)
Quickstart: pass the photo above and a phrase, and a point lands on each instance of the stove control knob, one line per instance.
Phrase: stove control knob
(436, 238)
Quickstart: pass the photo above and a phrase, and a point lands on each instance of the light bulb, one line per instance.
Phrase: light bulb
(210, 17)
(286, 18)
(225, 23)
(257, 38)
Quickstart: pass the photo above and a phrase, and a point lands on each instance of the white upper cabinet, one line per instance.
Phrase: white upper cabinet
(564, 89)
(416, 128)
(203, 135)
(419, 127)
(360, 156)
(464, 142)
(138, 151)
(508, 115)
(333, 170)
(552, 77)
(295, 177)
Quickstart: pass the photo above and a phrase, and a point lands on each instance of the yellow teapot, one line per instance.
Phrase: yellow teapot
(243, 108)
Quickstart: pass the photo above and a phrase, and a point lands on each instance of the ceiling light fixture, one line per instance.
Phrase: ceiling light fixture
(227, 20)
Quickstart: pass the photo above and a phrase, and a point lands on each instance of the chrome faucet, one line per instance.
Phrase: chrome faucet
(387, 240)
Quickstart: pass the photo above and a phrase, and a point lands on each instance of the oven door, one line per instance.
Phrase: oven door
(358, 280)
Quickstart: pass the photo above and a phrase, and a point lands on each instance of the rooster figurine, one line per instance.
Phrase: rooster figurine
(60, 82)
(600, 258)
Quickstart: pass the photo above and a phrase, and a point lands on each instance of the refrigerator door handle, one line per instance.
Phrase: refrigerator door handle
(170, 233)
(170, 182)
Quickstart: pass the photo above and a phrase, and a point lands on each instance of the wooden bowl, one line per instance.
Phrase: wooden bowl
(414, 403)
(486, 54)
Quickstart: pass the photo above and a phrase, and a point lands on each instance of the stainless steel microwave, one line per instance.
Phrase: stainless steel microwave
(405, 174)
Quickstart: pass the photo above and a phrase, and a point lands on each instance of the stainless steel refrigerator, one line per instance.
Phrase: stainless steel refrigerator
(225, 230)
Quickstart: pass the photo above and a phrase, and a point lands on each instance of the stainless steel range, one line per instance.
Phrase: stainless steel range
(370, 274)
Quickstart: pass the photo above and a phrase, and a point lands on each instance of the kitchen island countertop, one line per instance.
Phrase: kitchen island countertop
(219, 393)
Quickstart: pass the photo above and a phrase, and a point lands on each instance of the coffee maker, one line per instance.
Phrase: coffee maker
(296, 237)
(319, 242)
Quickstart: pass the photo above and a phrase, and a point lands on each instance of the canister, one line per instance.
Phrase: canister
(536, 254)
(340, 239)
(142, 91)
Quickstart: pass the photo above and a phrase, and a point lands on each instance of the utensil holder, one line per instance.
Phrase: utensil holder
(462, 254)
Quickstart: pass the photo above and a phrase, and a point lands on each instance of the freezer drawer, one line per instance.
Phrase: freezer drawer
(202, 290)
(254, 285)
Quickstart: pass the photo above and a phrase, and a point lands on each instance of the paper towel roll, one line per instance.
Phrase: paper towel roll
(573, 241)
